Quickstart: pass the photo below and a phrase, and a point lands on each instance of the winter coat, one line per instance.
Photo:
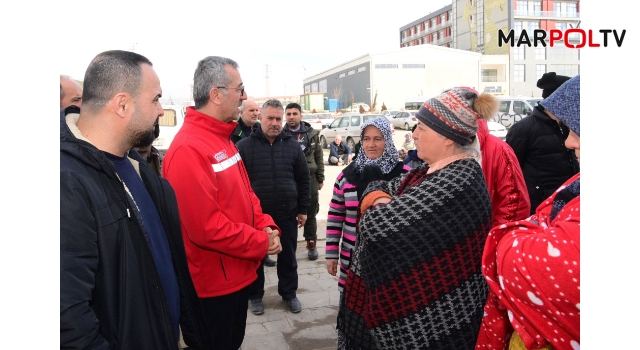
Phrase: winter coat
(546, 163)
(533, 270)
(333, 149)
(222, 221)
(110, 294)
(343, 209)
(278, 172)
(507, 189)
(309, 141)
(240, 131)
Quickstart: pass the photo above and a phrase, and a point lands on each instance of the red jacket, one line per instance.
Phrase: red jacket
(532, 267)
(222, 221)
(505, 182)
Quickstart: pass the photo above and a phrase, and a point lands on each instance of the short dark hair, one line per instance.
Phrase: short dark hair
(294, 105)
(109, 73)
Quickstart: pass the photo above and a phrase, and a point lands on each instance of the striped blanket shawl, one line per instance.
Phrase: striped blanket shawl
(415, 279)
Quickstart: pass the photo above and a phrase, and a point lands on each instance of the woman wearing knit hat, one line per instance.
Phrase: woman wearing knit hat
(537, 141)
(532, 266)
(415, 279)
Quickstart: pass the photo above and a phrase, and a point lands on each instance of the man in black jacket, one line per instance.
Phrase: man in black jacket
(249, 113)
(124, 279)
(309, 142)
(538, 142)
(279, 176)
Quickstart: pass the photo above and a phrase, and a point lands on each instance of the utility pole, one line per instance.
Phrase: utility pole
(267, 87)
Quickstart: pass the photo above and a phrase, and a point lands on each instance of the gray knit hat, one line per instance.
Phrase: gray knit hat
(455, 113)
(564, 103)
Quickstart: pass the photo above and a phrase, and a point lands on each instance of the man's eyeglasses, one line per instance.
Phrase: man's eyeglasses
(241, 89)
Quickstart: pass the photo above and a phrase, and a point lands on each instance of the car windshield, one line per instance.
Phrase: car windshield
(534, 103)
(324, 117)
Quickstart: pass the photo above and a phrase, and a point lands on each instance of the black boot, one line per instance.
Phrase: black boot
(269, 262)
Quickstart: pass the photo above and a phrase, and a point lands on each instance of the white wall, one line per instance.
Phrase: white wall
(444, 68)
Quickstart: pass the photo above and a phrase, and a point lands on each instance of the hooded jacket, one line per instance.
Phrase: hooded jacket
(222, 221)
(278, 171)
(505, 182)
(546, 163)
(309, 137)
(110, 295)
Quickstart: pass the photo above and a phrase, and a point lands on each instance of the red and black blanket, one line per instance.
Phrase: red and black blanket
(415, 281)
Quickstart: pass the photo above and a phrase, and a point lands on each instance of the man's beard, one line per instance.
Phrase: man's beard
(145, 138)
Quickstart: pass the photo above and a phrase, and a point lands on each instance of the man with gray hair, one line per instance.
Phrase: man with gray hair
(225, 232)
(70, 92)
(249, 113)
(279, 175)
(124, 278)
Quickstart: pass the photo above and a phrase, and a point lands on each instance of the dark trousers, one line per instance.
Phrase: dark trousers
(311, 226)
(287, 267)
(226, 318)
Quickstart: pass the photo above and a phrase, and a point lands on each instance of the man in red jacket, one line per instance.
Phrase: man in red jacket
(225, 232)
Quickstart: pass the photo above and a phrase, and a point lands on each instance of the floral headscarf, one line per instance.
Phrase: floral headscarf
(389, 158)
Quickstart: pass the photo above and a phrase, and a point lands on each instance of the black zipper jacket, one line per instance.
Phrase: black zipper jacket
(110, 292)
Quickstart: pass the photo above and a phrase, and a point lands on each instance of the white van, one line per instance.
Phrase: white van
(170, 123)
(513, 109)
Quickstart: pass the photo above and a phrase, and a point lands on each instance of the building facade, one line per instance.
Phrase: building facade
(391, 77)
(474, 24)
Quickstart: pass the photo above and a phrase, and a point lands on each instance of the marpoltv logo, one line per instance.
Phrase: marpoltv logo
(584, 38)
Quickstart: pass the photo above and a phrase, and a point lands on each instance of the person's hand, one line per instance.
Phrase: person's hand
(271, 232)
(332, 266)
(301, 220)
(382, 200)
(320, 186)
(275, 248)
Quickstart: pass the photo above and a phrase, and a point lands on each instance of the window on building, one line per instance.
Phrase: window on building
(314, 87)
(518, 53)
(351, 72)
(562, 26)
(323, 86)
(562, 53)
(518, 73)
(362, 69)
(541, 53)
(517, 28)
(572, 9)
(402, 35)
(413, 65)
(540, 70)
(386, 66)
(570, 70)
(537, 8)
(522, 6)
(531, 26)
(341, 75)
(557, 6)
(489, 75)
(442, 18)
(307, 89)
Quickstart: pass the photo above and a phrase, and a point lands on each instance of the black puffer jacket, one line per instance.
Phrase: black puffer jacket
(546, 163)
(110, 295)
(278, 172)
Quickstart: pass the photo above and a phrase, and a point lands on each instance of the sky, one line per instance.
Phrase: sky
(296, 39)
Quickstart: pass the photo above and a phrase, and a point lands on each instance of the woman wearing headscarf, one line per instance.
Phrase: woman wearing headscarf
(377, 160)
(532, 266)
(415, 279)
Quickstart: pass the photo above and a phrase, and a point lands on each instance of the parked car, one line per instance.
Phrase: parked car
(513, 109)
(404, 120)
(497, 130)
(314, 120)
(326, 118)
(390, 114)
(348, 127)
(170, 123)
